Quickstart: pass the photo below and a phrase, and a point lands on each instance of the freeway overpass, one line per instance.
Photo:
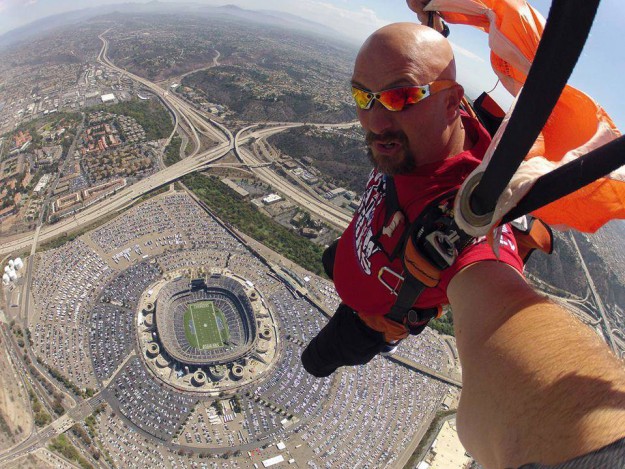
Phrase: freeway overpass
(331, 213)
(199, 123)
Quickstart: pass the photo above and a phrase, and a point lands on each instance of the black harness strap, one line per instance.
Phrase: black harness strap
(392, 209)
(392, 201)
(562, 42)
(434, 219)
(571, 177)
(410, 290)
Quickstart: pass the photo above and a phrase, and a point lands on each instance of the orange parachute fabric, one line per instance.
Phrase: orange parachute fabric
(576, 126)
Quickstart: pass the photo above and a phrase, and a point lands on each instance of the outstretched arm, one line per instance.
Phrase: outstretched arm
(538, 385)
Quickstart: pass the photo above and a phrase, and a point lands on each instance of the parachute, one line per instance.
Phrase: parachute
(577, 124)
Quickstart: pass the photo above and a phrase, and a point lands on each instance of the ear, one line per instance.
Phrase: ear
(454, 97)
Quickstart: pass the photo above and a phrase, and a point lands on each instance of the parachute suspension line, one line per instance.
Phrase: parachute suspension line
(431, 19)
(571, 177)
(565, 33)
(496, 83)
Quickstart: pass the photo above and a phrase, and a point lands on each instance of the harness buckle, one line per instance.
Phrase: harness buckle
(441, 248)
(400, 279)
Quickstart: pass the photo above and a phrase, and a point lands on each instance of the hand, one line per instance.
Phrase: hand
(417, 6)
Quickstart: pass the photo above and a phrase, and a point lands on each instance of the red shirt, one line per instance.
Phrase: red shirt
(359, 259)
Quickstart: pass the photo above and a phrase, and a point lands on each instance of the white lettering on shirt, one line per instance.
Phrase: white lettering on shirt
(363, 229)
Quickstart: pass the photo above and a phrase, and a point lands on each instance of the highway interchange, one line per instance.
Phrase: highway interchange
(199, 124)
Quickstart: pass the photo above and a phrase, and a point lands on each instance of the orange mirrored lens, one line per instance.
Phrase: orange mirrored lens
(393, 100)
(396, 99)
(414, 95)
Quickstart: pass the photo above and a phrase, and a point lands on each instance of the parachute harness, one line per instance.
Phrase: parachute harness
(432, 243)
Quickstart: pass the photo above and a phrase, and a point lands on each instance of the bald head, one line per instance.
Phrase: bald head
(408, 51)
(427, 131)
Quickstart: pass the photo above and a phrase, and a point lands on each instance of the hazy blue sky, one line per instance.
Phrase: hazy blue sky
(600, 71)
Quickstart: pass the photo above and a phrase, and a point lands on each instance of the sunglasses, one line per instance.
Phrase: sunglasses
(395, 99)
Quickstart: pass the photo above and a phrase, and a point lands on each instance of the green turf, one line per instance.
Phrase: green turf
(205, 326)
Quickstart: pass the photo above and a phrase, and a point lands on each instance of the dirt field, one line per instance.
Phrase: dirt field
(15, 419)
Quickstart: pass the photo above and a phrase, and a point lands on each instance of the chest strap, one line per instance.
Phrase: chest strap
(431, 244)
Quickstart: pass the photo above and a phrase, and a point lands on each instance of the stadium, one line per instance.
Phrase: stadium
(205, 321)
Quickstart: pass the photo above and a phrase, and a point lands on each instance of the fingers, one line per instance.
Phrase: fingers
(417, 6)
(424, 16)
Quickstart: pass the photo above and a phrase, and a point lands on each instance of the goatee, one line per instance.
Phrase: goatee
(403, 163)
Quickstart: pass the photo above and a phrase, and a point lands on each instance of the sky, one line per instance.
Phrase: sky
(600, 71)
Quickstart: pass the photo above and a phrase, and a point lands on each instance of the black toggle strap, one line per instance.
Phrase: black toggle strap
(403, 311)
(571, 177)
(562, 42)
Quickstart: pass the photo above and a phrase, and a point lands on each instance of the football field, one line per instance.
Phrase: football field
(205, 325)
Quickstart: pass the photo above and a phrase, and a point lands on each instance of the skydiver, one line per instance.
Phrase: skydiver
(538, 385)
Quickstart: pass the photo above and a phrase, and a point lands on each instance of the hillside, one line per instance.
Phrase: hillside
(340, 156)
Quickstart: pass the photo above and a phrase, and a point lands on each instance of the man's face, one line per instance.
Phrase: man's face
(389, 152)
(399, 141)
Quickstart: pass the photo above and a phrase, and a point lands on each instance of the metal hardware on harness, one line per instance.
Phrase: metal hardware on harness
(441, 247)
(413, 318)
(393, 290)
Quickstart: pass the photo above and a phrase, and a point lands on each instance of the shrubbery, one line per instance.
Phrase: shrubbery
(151, 115)
(63, 446)
(172, 152)
(444, 324)
(228, 205)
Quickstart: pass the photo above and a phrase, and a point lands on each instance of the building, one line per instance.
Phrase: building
(309, 233)
(290, 164)
(7, 212)
(47, 156)
(43, 182)
(108, 98)
(271, 199)
(272, 461)
(235, 187)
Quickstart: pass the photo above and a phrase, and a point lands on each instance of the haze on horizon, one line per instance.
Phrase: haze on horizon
(598, 71)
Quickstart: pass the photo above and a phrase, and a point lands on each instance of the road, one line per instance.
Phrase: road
(609, 336)
(58, 426)
(214, 64)
(200, 124)
(334, 215)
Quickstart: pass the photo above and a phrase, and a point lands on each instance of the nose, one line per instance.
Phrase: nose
(376, 119)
